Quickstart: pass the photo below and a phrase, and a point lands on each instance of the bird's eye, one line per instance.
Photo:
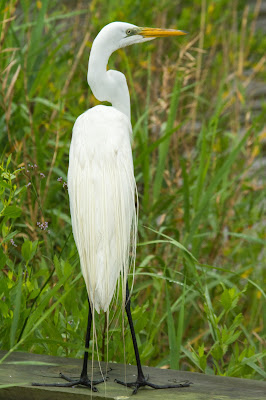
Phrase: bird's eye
(128, 32)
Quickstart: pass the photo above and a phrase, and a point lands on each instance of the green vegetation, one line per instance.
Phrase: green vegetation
(198, 293)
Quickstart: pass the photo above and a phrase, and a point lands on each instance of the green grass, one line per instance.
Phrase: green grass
(198, 293)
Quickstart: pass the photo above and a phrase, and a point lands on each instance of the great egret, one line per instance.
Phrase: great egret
(102, 186)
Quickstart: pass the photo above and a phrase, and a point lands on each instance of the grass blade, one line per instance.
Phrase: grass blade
(180, 326)
(209, 193)
(171, 333)
(185, 189)
(164, 146)
(17, 306)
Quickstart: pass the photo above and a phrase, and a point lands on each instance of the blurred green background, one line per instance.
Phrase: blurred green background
(199, 151)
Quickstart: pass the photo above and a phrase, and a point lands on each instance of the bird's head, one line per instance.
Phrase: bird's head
(122, 34)
(111, 85)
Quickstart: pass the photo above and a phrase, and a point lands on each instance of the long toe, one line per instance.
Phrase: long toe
(69, 384)
(128, 384)
(66, 378)
(82, 381)
(141, 383)
(176, 386)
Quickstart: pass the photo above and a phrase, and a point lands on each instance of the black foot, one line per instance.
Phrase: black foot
(144, 382)
(83, 381)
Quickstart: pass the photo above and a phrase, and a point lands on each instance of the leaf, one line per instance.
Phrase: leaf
(3, 258)
(8, 160)
(20, 190)
(203, 362)
(201, 350)
(192, 356)
(12, 212)
(232, 338)
(226, 300)
(229, 298)
(9, 236)
(28, 249)
(248, 238)
(256, 368)
(217, 352)
(170, 240)
(5, 184)
(237, 321)
(8, 176)
(46, 103)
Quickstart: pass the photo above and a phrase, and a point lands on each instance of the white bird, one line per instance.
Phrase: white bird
(101, 184)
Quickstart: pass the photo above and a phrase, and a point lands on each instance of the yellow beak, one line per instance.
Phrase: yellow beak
(157, 32)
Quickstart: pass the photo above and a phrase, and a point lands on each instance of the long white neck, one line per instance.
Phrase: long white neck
(106, 85)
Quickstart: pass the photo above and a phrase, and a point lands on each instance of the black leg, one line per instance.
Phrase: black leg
(141, 380)
(83, 380)
(84, 372)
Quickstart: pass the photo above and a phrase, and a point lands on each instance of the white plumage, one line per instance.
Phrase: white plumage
(101, 188)
(100, 177)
